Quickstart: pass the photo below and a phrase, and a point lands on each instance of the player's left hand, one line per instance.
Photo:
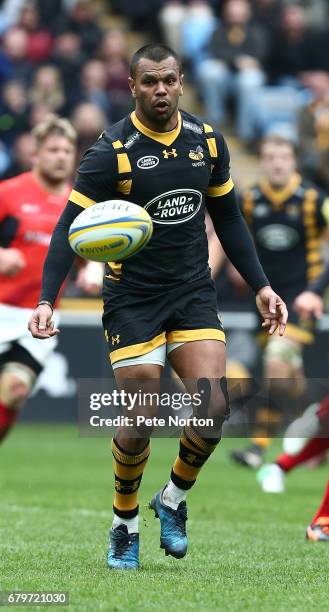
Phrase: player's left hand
(308, 304)
(272, 309)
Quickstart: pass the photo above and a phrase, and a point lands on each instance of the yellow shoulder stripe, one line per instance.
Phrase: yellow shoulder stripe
(123, 163)
(220, 190)
(207, 128)
(78, 198)
(117, 144)
(212, 146)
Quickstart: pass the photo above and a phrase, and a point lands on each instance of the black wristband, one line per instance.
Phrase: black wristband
(47, 304)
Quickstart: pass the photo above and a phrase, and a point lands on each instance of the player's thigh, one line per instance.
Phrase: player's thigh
(199, 359)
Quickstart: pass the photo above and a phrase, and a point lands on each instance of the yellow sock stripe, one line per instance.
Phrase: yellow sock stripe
(129, 472)
(201, 444)
(185, 471)
(126, 459)
(125, 502)
(191, 447)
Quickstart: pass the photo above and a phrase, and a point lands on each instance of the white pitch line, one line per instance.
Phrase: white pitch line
(36, 509)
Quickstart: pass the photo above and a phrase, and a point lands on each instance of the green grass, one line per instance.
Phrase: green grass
(247, 550)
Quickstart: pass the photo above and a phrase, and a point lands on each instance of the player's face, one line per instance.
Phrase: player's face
(156, 88)
(55, 158)
(278, 163)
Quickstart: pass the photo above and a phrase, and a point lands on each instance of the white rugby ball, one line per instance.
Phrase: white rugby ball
(110, 231)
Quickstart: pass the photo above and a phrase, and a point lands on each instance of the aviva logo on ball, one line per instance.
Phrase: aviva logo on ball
(110, 231)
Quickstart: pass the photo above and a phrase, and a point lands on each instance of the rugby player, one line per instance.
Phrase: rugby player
(162, 300)
(30, 205)
(287, 217)
(309, 434)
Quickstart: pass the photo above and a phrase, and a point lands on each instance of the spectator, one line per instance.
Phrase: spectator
(9, 13)
(237, 51)
(40, 41)
(82, 21)
(24, 150)
(89, 122)
(267, 13)
(14, 112)
(47, 88)
(93, 82)
(38, 114)
(186, 27)
(314, 131)
(295, 48)
(139, 13)
(13, 63)
(69, 58)
(114, 52)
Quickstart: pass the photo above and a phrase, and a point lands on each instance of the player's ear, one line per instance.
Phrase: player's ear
(131, 84)
(181, 80)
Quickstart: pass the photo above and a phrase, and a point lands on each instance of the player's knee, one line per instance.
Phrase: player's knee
(16, 382)
(214, 399)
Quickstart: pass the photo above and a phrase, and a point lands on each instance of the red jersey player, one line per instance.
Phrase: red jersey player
(311, 430)
(30, 205)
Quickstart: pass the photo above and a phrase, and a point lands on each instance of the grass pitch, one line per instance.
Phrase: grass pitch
(247, 550)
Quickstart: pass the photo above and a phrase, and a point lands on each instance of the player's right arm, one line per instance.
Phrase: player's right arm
(96, 182)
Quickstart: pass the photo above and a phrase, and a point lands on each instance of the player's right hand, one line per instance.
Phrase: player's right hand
(40, 324)
(12, 261)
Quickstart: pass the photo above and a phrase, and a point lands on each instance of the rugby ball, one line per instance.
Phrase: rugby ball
(110, 231)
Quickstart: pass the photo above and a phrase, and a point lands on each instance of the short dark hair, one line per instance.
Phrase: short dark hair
(277, 139)
(157, 52)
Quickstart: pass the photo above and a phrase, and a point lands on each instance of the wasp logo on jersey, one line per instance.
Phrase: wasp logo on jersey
(115, 339)
(166, 154)
(196, 155)
(174, 206)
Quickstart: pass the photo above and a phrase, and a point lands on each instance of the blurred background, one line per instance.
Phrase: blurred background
(252, 68)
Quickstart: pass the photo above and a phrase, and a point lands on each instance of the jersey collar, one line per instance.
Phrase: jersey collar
(279, 196)
(165, 138)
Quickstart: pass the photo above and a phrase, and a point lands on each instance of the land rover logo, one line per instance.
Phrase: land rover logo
(277, 237)
(174, 206)
(147, 162)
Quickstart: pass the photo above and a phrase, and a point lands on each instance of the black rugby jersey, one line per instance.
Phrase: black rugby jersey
(286, 225)
(170, 174)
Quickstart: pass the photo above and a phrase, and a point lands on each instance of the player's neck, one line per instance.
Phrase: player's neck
(56, 187)
(166, 126)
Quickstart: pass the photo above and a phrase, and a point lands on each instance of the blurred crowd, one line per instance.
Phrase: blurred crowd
(257, 66)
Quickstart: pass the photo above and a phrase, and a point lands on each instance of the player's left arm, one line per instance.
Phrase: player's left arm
(236, 240)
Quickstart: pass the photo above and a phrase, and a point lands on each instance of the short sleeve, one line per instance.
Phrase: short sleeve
(220, 182)
(97, 175)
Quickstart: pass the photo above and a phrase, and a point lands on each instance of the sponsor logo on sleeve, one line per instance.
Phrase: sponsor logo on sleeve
(176, 206)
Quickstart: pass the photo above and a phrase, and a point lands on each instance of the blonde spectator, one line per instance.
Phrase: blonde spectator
(47, 88)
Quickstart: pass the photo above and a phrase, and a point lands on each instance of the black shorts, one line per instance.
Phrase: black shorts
(136, 322)
(18, 354)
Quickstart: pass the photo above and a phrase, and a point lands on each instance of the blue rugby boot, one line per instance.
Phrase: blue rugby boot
(173, 536)
(124, 549)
